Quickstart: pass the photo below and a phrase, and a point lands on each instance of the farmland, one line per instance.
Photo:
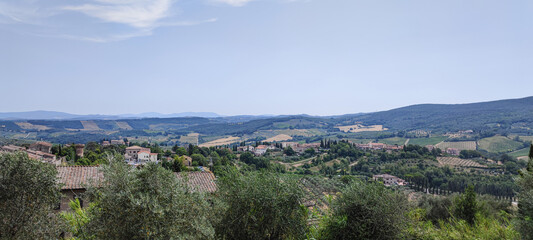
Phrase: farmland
(124, 125)
(466, 145)
(427, 141)
(27, 125)
(360, 128)
(90, 126)
(499, 144)
(220, 142)
(190, 138)
(520, 153)
(526, 138)
(393, 141)
(279, 138)
(458, 162)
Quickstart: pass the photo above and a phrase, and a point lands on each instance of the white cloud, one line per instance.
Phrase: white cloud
(136, 13)
(134, 18)
(235, 3)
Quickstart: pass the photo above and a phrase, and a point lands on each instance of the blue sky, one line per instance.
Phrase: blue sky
(318, 57)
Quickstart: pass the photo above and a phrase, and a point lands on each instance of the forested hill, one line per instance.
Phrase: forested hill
(450, 117)
(504, 116)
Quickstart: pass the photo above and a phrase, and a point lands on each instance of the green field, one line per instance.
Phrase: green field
(526, 138)
(393, 141)
(499, 144)
(520, 153)
(361, 141)
(427, 141)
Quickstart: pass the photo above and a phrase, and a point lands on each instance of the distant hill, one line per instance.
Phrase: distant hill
(53, 115)
(455, 116)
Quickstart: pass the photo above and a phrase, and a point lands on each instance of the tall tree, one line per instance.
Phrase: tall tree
(29, 192)
(525, 199)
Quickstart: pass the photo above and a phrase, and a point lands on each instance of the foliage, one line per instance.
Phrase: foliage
(367, 211)
(260, 205)
(146, 203)
(28, 193)
(466, 205)
(525, 203)
(76, 219)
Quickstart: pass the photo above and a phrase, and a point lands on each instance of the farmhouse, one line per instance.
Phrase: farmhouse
(74, 181)
(42, 147)
(260, 150)
(453, 151)
(245, 148)
(389, 180)
(136, 155)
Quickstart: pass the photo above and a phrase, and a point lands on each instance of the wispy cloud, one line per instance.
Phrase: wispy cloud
(235, 3)
(136, 13)
(136, 17)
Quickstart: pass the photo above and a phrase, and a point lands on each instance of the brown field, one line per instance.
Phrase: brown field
(361, 128)
(124, 125)
(219, 142)
(279, 138)
(190, 138)
(90, 126)
(452, 161)
(466, 145)
(27, 125)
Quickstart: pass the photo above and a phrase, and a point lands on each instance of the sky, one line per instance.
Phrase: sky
(233, 57)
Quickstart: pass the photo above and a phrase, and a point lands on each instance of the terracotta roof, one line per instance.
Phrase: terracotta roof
(144, 152)
(78, 177)
(45, 143)
(200, 181)
(134, 147)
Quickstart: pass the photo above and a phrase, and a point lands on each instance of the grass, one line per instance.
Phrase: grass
(427, 141)
(520, 153)
(499, 144)
(526, 138)
(465, 145)
(393, 141)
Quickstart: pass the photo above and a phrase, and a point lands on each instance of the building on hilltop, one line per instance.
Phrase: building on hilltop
(389, 180)
(42, 147)
(136, 155)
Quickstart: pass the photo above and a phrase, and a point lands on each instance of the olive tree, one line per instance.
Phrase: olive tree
(29, 192)
(146, 203)
(366, 210)
(260, 205)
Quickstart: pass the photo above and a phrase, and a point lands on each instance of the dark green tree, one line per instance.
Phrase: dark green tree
(367, 210)
(525, 197)
(466, 205)
(260, 206)
(29, 192)
(146, 203)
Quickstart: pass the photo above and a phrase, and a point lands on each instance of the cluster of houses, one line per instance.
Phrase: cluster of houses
(136, 155)
(262, 149)
(389, 180)
(113, 142)
(41, 151)
(378, 146)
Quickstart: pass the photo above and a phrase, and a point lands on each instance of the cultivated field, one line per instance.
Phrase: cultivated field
(220, 142)
(499, 144)
(526, 138)
(29, 126)
(279, 138)
(361, 128)
(124, 125)
(458, 162)
(466, 145)
(90, 126)
(520, 153)
(427, 141)
(393, 141)
(190, 138)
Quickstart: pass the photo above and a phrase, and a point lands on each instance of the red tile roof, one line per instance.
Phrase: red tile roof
(78, 177)
(200, 181)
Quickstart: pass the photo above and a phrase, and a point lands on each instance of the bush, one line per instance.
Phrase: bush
(367, 210)
(260, 206)
(146, 203)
